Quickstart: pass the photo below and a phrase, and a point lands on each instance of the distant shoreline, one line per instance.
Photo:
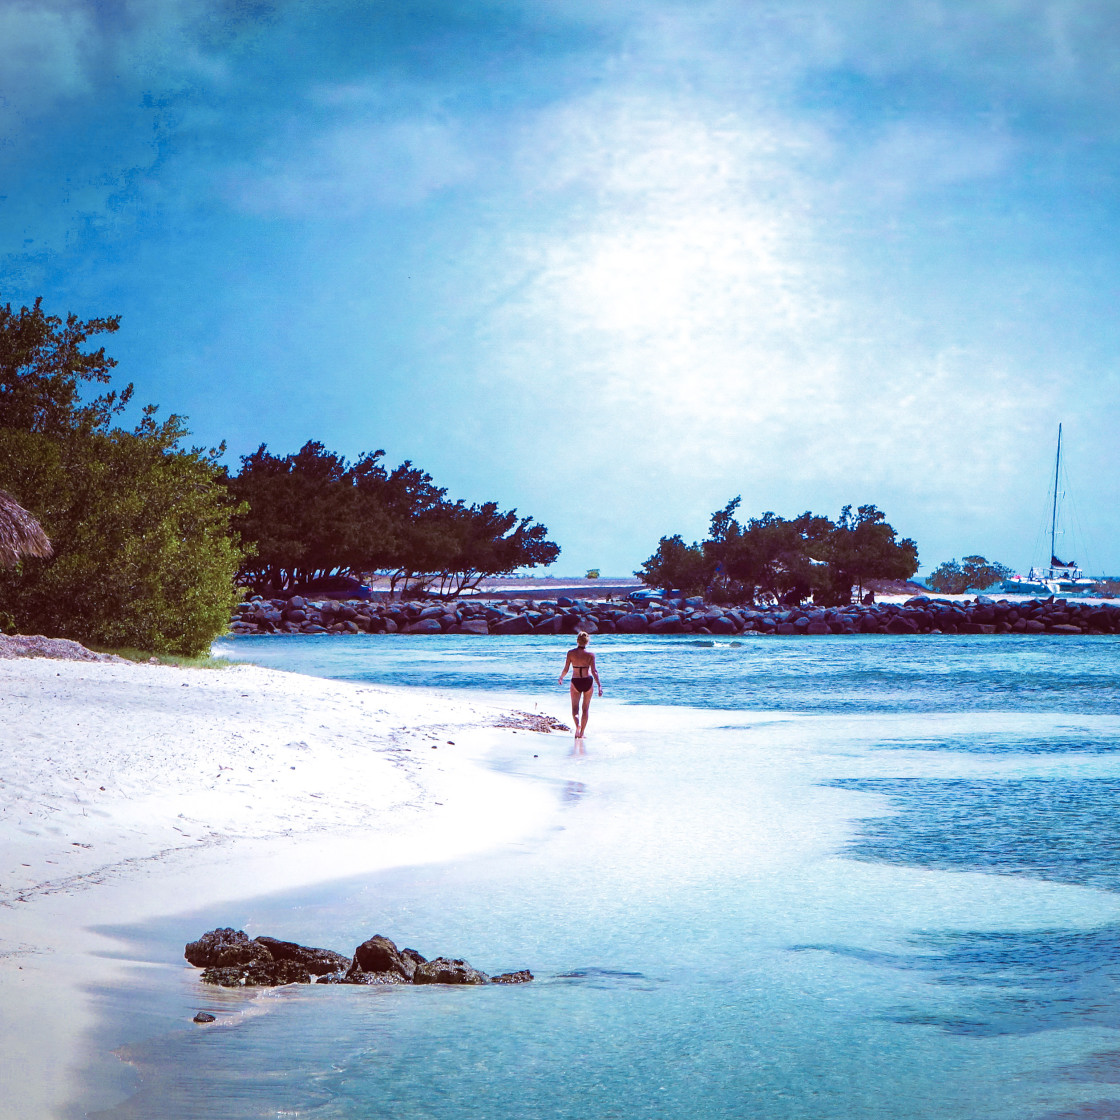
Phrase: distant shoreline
(565, 615)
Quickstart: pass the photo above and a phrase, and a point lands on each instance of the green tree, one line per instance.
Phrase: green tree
(676, 566)
(974, 573)
(775, 557)
(769, 556)
(784, 559)
(312, 514)
(484, 542)
(863, 546)
(301, 513)
(143, 552)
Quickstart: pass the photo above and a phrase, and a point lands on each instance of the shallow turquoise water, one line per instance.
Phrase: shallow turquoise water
(860, 877)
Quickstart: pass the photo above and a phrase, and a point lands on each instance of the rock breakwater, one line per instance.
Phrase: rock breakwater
(919, 615)
(231, 960)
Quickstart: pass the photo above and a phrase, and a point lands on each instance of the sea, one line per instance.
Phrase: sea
(872, 877)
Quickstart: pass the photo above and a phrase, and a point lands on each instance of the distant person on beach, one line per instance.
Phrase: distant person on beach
(582, 664)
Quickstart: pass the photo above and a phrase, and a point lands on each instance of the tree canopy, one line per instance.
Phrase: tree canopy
(973, 573)
(143, 554)
(783, 559)
(312, 513)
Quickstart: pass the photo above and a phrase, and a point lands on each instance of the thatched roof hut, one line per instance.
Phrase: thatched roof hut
(20, 534)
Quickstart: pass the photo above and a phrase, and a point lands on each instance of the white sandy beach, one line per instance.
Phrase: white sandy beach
(131, 791)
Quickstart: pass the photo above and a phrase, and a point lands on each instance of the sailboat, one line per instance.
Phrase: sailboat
(1059, 577)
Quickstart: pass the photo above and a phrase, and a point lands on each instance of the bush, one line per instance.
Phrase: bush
(143, 552)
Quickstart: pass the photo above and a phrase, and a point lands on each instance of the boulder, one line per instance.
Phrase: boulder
(369, 979)
(225, 948)
(424, 626)
(379, 954)
(317, 961)
(474, 626)
(519, 624)
(259, 974)
(632, 624)
(900, 624)
(445, 971)
(669, 624)
(521, 977)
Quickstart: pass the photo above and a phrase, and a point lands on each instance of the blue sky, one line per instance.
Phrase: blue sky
(611, 263)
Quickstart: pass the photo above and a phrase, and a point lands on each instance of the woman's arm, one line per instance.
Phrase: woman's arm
(595, 674)
(567, 664)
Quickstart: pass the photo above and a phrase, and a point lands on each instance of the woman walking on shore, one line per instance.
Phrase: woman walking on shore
(582, 664)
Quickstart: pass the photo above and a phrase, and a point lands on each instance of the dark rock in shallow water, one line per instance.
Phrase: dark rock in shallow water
(205, 1017)
(260, 974)
(317, 961)
(225, 948)
(445, 971)
(332, 978)
(357, 976)
(379, 954)
(231, 960)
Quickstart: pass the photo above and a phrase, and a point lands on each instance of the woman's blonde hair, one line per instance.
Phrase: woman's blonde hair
(582, 638)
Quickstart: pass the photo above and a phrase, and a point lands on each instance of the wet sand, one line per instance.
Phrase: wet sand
(131, 791)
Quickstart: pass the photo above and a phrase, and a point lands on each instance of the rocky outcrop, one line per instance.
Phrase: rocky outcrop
(58, 649)
(225, 948)
(319, 962)
(445, 971)
(258, 974)
(919, 615)
(230, 959)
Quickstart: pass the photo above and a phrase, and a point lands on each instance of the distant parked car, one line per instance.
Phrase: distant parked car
(332, 587)
(646, 594)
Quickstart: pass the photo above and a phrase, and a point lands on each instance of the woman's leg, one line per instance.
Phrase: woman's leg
(575, 709)
(586, 705)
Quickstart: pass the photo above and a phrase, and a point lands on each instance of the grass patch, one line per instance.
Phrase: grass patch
(143, 656)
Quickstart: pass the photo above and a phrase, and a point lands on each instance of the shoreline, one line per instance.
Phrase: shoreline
(132, 792)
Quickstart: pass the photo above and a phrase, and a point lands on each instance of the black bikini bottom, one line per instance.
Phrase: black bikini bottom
(581, 684)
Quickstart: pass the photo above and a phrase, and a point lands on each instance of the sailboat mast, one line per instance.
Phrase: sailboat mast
(1054, 511)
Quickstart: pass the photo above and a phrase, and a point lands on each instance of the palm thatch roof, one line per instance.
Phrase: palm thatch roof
(20, 534)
